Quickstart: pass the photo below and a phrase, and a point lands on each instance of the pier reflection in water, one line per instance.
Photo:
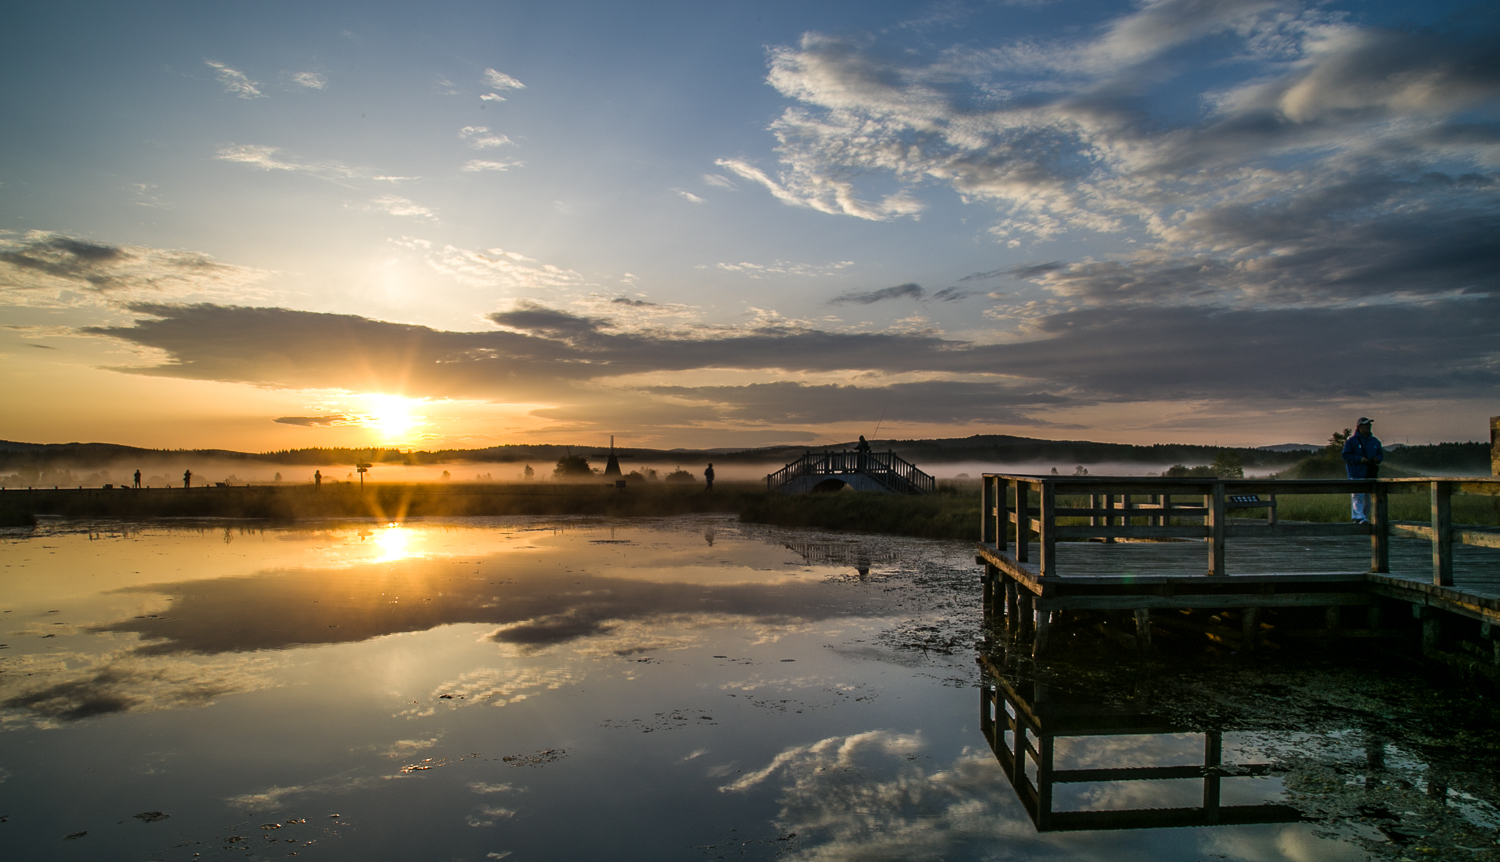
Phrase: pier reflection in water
(1024, 732)
(1400, 764)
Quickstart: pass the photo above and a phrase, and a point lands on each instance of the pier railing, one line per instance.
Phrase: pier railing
(1160, 508)
(889, 469)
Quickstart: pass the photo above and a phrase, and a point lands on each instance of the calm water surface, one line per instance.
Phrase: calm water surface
(680, 689)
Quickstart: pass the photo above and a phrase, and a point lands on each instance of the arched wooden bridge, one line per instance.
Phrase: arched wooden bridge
(885, 472)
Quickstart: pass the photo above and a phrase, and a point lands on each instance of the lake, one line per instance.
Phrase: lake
(686, 688)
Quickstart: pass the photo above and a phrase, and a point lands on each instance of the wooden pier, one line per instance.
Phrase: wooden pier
(1164, 555)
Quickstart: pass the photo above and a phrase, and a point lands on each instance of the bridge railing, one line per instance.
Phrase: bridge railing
(1037, 504)
(893, 471)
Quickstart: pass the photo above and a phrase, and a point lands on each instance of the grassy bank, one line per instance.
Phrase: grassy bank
(952, 513)
(347, 500)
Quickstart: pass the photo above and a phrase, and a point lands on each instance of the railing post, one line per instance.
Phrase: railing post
(986, 512)
(1214, 518)
(1023, 521)
(1380, 529)
(1109, 503)
(1442, 534)
(1046, 535)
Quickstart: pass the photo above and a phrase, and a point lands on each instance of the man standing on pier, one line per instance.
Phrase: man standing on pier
(1362, 457)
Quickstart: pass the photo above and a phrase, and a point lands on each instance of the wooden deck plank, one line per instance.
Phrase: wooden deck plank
(1087, 567)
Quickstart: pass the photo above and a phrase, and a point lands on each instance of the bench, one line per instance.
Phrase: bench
(1252, 501)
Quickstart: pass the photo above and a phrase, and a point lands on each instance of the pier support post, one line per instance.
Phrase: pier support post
(991, 575)
(1012, 608)
(1214, 504)
(1250, 628)
(1432, 628)
(1143, 629)
(1442, 534)
(1026, 614)
(1043, 634)
(1331, 618)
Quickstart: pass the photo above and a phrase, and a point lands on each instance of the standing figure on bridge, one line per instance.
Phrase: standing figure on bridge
(187, 478)
(137, 478)
(1362, 457)
(708, 473)
(862, 454)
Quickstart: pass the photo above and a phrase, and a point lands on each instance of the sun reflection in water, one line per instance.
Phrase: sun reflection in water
(395, 543)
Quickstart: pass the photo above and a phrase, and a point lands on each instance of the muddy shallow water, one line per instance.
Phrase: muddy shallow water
(690, 688)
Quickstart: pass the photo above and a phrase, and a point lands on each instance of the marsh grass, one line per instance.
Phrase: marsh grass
(394, 501)
(951, 513)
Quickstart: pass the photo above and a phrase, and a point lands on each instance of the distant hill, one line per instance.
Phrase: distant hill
(1437, 459)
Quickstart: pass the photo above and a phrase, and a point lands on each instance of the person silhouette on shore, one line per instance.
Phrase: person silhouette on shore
(187, 478)
(317, 479)
(708, 474)
(137, 478)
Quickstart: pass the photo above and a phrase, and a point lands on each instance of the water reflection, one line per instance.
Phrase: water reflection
(1385, 762)
(462, 689)
(1024, 732)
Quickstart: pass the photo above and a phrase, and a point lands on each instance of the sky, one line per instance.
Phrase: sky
(455, 225)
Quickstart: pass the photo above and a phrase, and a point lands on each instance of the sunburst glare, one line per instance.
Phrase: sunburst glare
(392, 417)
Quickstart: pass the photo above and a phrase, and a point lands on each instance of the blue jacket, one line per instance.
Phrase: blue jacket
(1357, 447)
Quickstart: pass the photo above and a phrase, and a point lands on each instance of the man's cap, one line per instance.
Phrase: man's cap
(1364, 420)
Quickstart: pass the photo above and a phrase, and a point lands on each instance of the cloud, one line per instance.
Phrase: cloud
(315, 421)
(310, 80)
(480, 137)
(954, 294)
(497, 267)
(399, 206)
(501, 81)
(491, 97)
(825, 194)
(234, 81)
(781, 267)
(1338, 164)
(900, 291)
(477, 165)
(539, 319)
(267, 159)
(1136, 353)
(720, 181)
(633, 303)
(1024, 271)
(689, 196)
(53, 269)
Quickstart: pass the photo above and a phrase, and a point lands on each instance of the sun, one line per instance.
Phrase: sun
(392, 417)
